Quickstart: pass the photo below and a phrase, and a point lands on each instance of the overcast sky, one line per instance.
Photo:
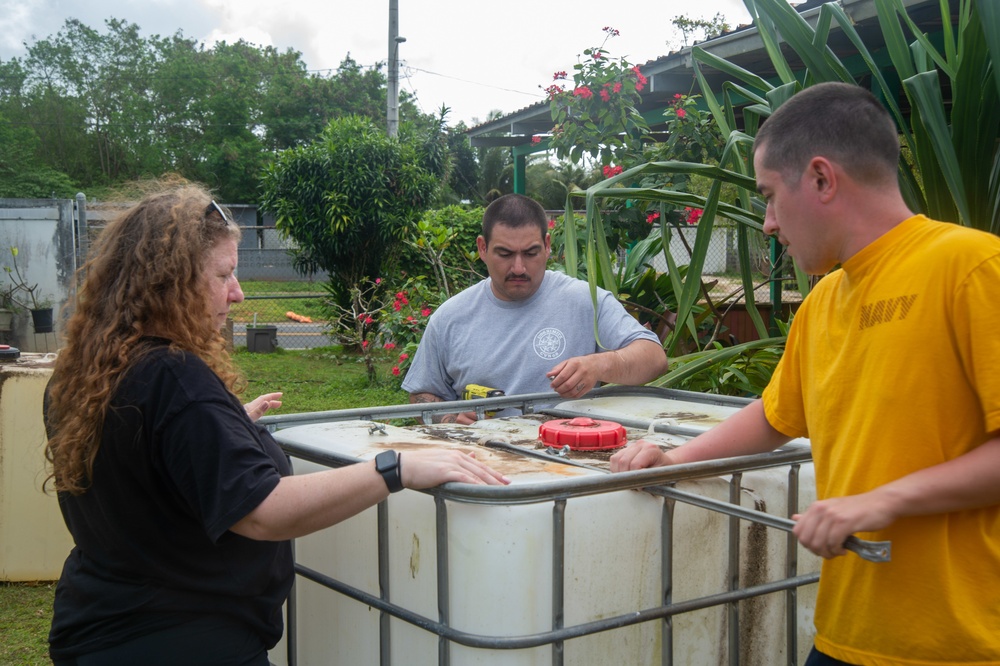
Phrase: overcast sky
(471, 56)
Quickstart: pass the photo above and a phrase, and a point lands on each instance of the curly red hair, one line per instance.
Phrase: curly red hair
(142, 279)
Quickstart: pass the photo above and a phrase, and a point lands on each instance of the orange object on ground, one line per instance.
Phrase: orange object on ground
(302, 319)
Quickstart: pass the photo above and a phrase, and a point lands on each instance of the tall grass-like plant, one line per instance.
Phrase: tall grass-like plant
(952, 171)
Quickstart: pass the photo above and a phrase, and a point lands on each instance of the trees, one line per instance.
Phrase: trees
(109, 106)
(347, 197)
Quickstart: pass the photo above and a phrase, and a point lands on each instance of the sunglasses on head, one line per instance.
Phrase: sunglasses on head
(215, 208)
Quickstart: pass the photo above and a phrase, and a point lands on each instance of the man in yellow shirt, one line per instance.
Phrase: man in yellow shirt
(892, 369)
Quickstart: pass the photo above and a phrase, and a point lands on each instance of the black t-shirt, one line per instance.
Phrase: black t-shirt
(180, 462)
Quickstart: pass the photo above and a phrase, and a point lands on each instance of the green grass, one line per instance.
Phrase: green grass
(25, 616)
(316, 380)
(311, 380)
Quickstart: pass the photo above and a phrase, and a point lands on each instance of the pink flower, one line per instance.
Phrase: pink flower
(693, 215)
(364, 344)
(639, 87)
(652, 217)
(617, 88)
(397, 306)
(605, 95)
(598, 54)
(553, 90)
(395, 370)
(368, 320)
(681, 113)
(536, 139)
(378, 280)
(426, 312)
(611, 31)
(678, 96)
(400, 295)
(558, 75)
(552, 224)
(410, 319)
(390, 345)
(403, 357)
(583, 91)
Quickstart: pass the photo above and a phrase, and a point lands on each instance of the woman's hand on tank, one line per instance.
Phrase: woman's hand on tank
(261, 405)
(426, 469)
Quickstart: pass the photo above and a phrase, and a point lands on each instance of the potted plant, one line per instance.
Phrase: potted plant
(40, 307)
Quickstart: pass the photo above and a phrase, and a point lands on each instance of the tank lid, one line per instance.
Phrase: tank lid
(8, 353)
(582, 434)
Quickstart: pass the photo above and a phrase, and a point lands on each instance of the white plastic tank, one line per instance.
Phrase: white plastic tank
(34, 541)
(500, 574)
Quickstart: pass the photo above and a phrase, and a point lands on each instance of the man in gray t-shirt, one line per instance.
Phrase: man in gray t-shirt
(527, 330)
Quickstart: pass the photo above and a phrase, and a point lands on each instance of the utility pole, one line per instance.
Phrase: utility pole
(392, 94)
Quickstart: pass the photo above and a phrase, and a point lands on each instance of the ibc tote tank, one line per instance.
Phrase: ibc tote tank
(536, 556)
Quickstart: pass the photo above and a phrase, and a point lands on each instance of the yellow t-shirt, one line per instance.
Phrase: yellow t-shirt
(893, 365)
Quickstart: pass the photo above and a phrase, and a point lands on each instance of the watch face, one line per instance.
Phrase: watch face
(385, 461)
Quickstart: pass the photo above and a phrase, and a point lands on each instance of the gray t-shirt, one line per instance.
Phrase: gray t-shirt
(476, 338)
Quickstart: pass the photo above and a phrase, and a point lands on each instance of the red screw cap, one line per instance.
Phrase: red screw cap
(582, 434)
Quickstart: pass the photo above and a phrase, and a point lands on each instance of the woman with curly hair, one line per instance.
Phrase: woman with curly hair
(181, 507)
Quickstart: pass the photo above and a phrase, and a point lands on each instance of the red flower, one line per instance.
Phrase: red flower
(681, 113)
(553, 90)
(426, 312)
(693, 215)
(390, 345)
(552, 224)
(364, 344)
(395, 370)
(410, 319)
(617, 88)
(536, 139)
(583, 91)
(368, 320)
(403, 357)
(652, 217)
(378, 280)
(678, 96)
(558, 75)
(605, 95)
(639, 87)
(397, 306)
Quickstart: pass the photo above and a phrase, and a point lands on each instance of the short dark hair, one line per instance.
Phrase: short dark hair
(840, 121)
(514, 210)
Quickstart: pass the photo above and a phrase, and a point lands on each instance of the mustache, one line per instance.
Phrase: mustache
(517, 276)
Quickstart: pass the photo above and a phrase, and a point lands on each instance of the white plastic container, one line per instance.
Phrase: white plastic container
(34, 541)
(500, 571)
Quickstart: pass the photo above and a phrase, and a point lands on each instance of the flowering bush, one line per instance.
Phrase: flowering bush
(385, 323)
(402, 325)
(597, 115)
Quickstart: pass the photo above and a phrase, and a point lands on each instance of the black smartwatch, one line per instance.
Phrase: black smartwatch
(387, 464)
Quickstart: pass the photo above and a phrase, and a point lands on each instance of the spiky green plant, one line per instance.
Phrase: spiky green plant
(952, 172)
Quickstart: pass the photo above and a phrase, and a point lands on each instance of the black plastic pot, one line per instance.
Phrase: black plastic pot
(42, 320)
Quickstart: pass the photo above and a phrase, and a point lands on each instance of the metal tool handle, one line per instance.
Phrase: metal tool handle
(873, 551)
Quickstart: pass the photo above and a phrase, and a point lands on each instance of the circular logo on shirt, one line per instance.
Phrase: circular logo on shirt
(549, 343)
